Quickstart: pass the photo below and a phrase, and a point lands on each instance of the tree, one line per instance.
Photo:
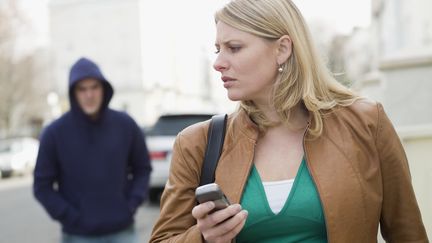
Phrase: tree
(18, 95)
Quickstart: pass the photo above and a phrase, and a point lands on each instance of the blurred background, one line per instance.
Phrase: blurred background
(158, 56)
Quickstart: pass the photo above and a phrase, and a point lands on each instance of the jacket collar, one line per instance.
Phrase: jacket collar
(237, 156)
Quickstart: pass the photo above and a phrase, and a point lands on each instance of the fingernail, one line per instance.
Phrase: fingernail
(246, 213)
(210, 205)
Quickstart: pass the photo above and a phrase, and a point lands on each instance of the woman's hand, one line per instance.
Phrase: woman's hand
(222, 225)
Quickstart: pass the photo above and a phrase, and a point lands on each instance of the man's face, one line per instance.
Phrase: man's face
(89, 95)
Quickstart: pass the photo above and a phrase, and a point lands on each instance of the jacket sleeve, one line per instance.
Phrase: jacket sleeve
(175, 223)
(140, 169)
(400, 216)
(46, 174)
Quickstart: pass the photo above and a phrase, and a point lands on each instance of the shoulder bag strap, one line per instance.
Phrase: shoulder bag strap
(215, 140)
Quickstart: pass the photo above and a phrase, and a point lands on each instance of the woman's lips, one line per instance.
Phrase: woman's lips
(228, 81)
(228, 84)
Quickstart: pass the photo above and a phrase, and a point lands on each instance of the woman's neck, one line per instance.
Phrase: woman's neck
(298, 119)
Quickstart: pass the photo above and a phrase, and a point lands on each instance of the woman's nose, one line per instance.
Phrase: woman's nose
(219, 64)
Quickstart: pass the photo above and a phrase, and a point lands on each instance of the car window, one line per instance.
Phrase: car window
(171, 125)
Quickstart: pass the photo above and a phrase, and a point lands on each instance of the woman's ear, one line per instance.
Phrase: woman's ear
(284, 49)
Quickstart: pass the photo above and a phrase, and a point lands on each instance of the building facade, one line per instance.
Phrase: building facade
(155, 53)
(402, 37)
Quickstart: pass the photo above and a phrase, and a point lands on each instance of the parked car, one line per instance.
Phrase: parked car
(160, 140)
(18, 155)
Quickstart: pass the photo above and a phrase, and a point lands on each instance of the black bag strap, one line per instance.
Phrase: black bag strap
(215, 141)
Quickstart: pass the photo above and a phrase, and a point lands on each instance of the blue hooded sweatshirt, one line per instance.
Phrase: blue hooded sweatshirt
(91, 175)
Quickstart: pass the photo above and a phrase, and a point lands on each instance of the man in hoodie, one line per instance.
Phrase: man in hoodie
(93, 166)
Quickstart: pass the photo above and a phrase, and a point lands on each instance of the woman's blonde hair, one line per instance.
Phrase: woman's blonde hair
(305, 79)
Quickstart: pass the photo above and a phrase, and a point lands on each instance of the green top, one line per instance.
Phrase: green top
(300, 220)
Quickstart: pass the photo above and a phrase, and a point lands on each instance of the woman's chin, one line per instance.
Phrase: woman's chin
(234, 97)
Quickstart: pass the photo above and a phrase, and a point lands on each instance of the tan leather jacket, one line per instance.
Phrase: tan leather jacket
(358, 165)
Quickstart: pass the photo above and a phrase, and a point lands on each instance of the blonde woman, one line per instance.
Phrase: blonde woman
(304, 159)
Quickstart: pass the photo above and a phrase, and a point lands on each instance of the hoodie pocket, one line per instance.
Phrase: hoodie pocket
(104, 213)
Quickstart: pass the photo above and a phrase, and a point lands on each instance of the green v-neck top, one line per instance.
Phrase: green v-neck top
(300, 220)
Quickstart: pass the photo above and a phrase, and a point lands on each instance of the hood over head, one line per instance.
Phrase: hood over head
(86, 68)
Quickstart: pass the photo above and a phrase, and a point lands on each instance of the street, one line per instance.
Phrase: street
(23, 220)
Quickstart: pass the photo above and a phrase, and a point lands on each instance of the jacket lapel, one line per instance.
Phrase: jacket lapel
(237, 156)
(336, 179)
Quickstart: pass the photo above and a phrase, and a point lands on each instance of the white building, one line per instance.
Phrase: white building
(155, 55)
(402, 35)
(106, 33)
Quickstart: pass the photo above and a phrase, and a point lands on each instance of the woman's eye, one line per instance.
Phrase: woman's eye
(232, 49)
(235, 48)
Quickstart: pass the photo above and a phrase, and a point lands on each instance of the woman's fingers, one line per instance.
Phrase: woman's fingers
(225, 228)
(236, 230)
(202, 210)
(223, 214)
(222, 225)
(207, 222)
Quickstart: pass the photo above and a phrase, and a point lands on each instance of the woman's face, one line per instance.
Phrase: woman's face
(247, 63)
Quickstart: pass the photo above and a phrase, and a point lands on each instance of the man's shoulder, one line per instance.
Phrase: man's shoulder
(59, 122)
(121, 116)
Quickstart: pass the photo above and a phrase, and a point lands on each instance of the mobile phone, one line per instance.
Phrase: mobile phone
(212, 192)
